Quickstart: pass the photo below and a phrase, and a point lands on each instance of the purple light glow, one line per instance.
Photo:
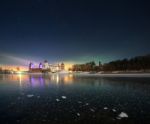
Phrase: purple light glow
(32, 65)
(40, 66)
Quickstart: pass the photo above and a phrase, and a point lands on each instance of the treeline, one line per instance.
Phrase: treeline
(137, 63)
(90, 66)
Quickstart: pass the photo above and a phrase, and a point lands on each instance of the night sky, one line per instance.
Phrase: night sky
(73, 30)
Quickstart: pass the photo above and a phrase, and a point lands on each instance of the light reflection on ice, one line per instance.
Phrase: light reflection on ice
(30, 95)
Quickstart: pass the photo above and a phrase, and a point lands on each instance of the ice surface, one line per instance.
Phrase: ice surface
(79, 102)
(18, 98)
(38, 96)
(87, 104)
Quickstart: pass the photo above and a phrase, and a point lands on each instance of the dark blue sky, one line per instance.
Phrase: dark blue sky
(74, 30)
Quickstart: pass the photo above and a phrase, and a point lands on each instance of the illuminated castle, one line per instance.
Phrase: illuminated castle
(46, 67)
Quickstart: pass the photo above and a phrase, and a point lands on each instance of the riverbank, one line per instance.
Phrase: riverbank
(112, 74)
(94, 74)
(91, 74)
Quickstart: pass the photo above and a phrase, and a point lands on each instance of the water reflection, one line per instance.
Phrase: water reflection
(20, 80)
(36, 81)
(39, 80)
(46, 80)
(49, 80)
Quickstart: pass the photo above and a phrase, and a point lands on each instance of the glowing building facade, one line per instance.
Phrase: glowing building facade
(46, 67)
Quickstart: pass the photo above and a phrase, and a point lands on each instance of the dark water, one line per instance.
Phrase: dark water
(69, 99)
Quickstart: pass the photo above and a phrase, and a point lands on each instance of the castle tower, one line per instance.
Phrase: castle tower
(40, 66)
(31, 66)
(62, 66)
(46, 65)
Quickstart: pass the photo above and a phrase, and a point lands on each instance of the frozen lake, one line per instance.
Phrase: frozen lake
(73, 99)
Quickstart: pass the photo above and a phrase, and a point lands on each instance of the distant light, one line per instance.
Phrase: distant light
(70, 71)
(19, 72)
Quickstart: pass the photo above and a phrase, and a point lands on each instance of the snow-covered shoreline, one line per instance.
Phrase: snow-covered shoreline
(113, 75)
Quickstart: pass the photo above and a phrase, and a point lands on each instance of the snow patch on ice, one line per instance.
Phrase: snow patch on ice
(87, 104)
(123, 115)
(63, 97)
(105, 108)
(79, 102)
(57, 100)
(114, 110)
(92, 110)
(78, 114)
(30, 95)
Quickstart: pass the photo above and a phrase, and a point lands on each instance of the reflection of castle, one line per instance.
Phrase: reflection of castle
(42, 67)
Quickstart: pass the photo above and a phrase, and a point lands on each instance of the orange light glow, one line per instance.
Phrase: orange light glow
(68, 65)
(15, 68)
